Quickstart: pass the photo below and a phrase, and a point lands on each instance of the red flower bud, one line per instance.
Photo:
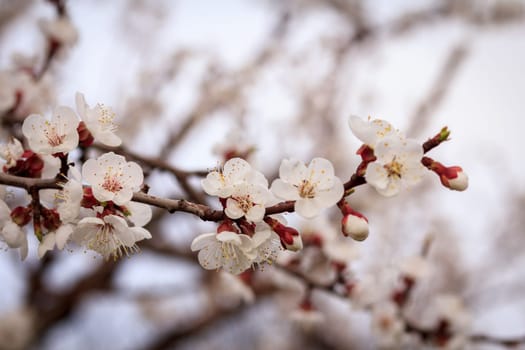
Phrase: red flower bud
(452, 177)
(290, 237)
(21, 215)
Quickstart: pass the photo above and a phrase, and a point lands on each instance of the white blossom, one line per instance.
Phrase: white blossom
(11, 152)
(112, 178)
(99, 121)
(235, 171)
(247, 200)
(371, 132)
(398, 166)
(312, 188)
(229, 250)
(52, 136)
(109, 236)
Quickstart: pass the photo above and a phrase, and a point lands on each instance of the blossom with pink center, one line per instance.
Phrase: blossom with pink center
(313, 187)
(59, 134)
(112, 178)
(99, 121)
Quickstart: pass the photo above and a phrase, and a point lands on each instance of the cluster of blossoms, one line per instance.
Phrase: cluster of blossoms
(248, 236)
(99, 216)
(390, 163)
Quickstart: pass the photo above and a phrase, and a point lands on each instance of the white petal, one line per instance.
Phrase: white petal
(256, 213)
(82, 106)
(109, 138)
(213, 183)
(103, 195)
(13, 234)
(140, 233)
(210, 257)
(92, 172)
(232, 209)
(140, 213)
(330, 197)
(236, 169)
(361, 129)
(260, 237)
(48, 243)
(133, 175)
(284, 190)
(293, 171)
(122, 197)
(320, 170)
(62, 235)
(376, 175)
(392, 189)
(308, 207)
(229, 237)
(202, 241)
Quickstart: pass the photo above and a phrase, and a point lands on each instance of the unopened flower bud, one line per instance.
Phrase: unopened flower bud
(21, 215)
(353, 224)
(356, 227)
(290, 237)
(459, 183)
(452, 177)
(51, 219)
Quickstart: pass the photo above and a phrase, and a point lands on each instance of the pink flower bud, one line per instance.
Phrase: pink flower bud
(452, 177)
(459, 182)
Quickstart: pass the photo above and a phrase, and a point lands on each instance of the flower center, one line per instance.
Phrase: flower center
(106, 117)
(244, 202)
(52, 136)
(107, 243)
(111, 181)
(394, 169)
(306, 189)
